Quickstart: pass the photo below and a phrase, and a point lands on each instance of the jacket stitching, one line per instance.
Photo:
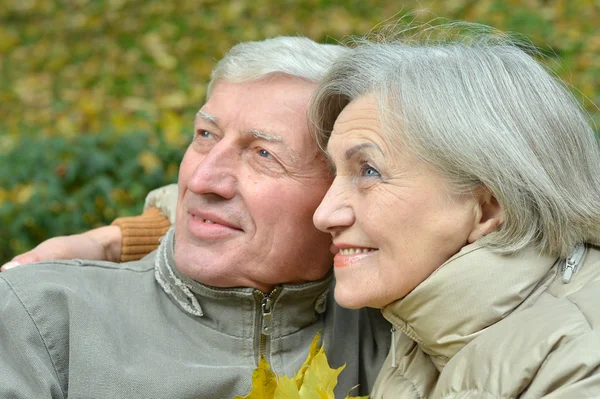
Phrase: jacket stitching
(79, 263)
(475, 391)
(38, 331)
(243, 314)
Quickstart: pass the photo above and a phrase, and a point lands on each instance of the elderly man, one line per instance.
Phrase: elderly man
(243, 273)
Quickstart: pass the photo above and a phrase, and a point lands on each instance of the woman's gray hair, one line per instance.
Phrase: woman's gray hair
(484, 113)
(300, 57)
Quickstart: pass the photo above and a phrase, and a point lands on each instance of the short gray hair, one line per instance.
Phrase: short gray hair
(300, 57)
(481, 111)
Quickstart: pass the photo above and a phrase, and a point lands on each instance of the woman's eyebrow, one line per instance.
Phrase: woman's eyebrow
(350, 152)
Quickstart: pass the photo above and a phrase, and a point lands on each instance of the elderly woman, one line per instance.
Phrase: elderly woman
(465, 205)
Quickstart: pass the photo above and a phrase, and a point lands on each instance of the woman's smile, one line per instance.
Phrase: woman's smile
(349, 255)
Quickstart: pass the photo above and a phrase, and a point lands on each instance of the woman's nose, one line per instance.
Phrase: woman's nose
(335, 212)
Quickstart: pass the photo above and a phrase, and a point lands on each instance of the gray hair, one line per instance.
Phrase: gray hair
(482, 112)
(300, 57)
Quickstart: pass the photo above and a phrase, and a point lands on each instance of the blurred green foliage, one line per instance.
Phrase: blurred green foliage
(59, 185)
(97, 96)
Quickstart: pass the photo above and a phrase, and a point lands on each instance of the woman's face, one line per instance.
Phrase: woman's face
(392, 218)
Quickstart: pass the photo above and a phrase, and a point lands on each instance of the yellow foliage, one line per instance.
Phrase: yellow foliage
(65, 126)
(312, 352)
(173, 100)
(149, 161)
(22, 193)
(320, 379)
(264, 382)
(314, 380)
(100, 202)
(140, 60)
(287, 388)
(172, 170)
(3, 196)
(172, 127)
(120, 195)
(8, 39)
(156, 47)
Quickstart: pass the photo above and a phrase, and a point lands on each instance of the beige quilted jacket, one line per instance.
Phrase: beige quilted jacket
(491, 326)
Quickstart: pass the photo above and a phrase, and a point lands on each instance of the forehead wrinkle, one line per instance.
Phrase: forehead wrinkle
(262, 135)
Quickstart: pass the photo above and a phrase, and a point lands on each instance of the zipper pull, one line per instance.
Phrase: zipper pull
(267, 316)
(393, 348)
(572, 263)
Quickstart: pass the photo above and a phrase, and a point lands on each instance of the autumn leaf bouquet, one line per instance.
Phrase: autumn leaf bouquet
(314, 380)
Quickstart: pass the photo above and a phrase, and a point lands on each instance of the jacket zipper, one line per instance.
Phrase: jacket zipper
(266, 325)
(393, 348)
(572, 263)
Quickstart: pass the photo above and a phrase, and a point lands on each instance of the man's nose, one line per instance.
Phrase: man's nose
(217, 173)
(335, 212)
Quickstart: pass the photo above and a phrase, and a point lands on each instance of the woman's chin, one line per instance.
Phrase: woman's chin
(352, 298)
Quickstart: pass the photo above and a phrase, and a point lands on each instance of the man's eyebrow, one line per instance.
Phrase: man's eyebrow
(262, 135)
(207, 117)
(350, 152)
(259, 134)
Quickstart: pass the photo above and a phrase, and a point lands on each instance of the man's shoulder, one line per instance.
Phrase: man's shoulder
(73, 275)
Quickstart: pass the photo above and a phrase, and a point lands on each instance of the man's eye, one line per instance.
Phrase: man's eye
(204, 134)
(264, 153)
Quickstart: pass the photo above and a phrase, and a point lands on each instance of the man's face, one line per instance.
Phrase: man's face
(249, 184)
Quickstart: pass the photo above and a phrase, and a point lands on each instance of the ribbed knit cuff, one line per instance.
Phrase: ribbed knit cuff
(141, 233)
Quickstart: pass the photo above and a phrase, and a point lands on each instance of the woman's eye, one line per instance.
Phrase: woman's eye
(369, 171)
(264, 153)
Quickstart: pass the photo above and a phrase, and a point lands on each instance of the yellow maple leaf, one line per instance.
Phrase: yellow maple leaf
(286, 388)
(320, 379)
(315, 379)
(312, 352)
(264, 382)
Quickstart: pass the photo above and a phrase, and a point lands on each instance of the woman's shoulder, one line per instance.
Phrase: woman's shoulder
(552, 344)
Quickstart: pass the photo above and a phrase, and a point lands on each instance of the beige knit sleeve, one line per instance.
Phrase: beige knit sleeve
(141, 233)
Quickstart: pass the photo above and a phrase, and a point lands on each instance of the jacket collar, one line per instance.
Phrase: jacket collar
(230, 310)
(470, 292)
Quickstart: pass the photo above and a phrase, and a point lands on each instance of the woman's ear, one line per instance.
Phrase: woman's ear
(488, 214)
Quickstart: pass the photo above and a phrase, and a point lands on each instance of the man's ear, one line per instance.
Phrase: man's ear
(488, 214)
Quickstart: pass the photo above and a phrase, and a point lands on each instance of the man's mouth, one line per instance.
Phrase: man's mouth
(213, 219)
(203, 220)
(209, 226)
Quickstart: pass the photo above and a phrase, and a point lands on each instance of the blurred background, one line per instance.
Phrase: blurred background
(97, 97)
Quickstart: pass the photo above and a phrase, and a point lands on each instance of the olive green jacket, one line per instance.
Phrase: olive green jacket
(490, 326)
(84, 329)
